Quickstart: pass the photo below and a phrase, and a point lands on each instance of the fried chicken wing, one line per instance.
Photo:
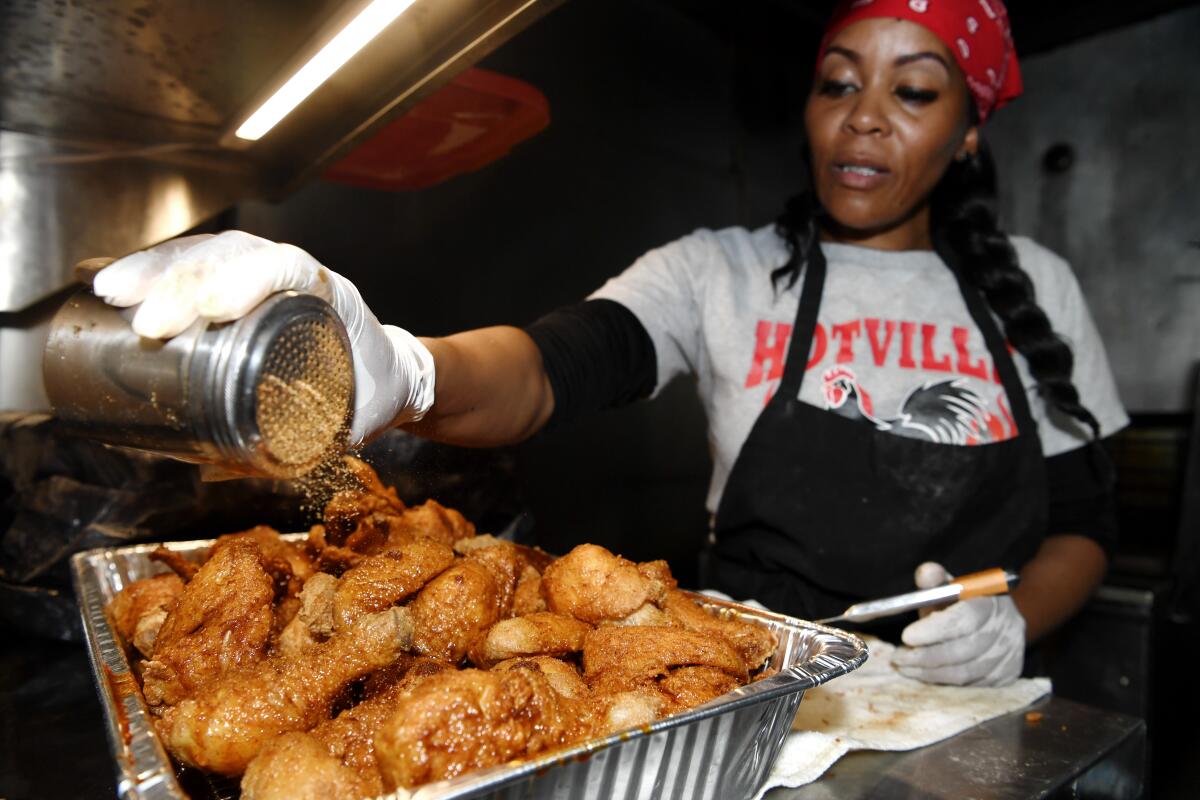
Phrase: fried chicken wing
(338, 755)
(563, 677)
(298, 766)
(505, 562)
(389, 578)
(527, 596)
(224, 725)
(602, 713)
(688, 687)
(314, 621)
(430, 520)
(459, 721)
(648, 614)
(175, 562)
(289, 564)
(453, 609)
(622, 658)
(139, 610)
(754, 643)
(593, 585)
(540, 634)
(222, 622)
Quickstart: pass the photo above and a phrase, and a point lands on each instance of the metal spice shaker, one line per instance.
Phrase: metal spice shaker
(269, 394)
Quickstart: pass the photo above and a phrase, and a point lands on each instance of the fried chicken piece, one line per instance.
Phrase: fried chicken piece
(754, 643)
(623, 658)
(289, 564)
(658, 577)
(286, 611)
(536, 557)
(649, 614)
(430, 520)
(391, 577)
(688, 687)
(453, 609)
(176, 562)
(593, 585)
(224, 725)
(459, 721)
(139, 610)
(330, 558)
(505, 563)
(313, 622)
(360, 519)
(298, 766)
(563, 677)
(338, 755)
(527, 597)
(603, 713)
(540, 634)
(222, 622)
(467, 544)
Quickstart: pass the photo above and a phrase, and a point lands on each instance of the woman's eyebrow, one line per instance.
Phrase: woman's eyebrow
(908, 59)
(850, 54)
(899, 62)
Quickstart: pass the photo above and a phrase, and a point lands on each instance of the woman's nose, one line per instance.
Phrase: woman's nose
(867, 116)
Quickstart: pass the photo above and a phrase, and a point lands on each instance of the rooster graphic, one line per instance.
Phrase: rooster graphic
(947, 412)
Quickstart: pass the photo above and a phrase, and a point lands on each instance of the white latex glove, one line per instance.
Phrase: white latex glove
(976, 642)
(222, 277)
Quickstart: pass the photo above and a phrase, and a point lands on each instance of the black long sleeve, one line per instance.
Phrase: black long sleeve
(597, 355)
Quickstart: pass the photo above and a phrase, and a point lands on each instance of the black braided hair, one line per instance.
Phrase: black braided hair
(967, 236)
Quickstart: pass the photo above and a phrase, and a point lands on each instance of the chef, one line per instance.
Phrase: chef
(892, 384)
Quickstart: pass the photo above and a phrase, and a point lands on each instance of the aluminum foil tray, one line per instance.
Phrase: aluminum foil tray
(721, 750)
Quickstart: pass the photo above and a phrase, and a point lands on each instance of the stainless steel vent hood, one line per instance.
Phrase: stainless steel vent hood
(117, 117)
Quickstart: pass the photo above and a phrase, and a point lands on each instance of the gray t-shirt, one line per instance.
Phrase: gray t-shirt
(894, 344)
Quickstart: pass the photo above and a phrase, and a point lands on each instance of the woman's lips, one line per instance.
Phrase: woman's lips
(860, 176)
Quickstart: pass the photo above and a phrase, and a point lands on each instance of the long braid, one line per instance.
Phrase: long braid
(798, 226)
(966, 236)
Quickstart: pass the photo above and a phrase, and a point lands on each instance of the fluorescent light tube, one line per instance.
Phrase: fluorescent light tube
(348, 41)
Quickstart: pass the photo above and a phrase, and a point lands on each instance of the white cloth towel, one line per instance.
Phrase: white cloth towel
(877, 708)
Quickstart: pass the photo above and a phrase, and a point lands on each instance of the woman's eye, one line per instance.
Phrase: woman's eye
(911, 94)
(832, 88)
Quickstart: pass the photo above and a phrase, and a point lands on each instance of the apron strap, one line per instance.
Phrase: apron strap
(803, 328)
(1006, 368)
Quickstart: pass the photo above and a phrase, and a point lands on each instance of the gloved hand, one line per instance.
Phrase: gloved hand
(222, 277)
(976, 642)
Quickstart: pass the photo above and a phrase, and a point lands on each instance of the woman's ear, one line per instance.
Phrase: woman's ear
(970, 144)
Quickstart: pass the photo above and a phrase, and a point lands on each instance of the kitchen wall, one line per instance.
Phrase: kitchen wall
(660, 125)
(1099, 163)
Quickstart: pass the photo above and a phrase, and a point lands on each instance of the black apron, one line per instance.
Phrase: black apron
(821, 511)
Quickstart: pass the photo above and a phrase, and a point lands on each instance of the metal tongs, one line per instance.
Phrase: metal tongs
(977, 584)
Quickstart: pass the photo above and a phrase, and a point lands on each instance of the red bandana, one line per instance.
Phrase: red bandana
(976, 31)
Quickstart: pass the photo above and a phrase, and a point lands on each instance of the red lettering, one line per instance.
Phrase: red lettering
(819, 344)
(907, 330)
(930, 361)
(879, 351)
(846, 333)
(965, 367)
(768, 352)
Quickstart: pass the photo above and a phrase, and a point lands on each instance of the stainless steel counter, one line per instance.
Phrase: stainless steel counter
(1072, 750)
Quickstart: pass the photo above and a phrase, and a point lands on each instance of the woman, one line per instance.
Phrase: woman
(865, 413)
